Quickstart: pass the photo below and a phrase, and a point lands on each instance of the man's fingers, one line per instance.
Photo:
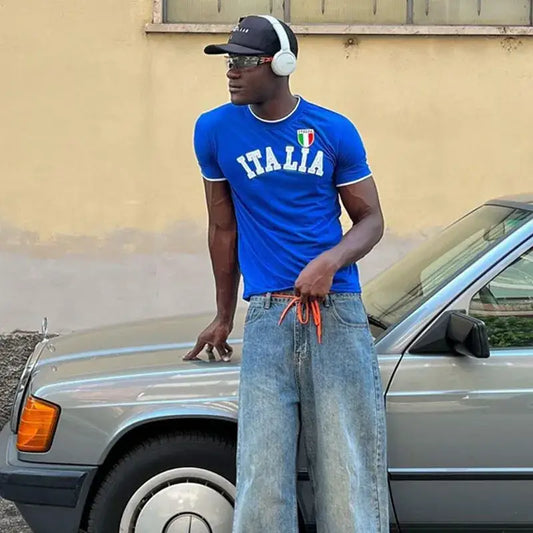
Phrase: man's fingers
(210, 354)
(224, 351)
(304, 292)
(229, 352)
(193, 354)
(304, 297)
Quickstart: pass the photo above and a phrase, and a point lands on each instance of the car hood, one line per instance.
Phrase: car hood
(154, 345)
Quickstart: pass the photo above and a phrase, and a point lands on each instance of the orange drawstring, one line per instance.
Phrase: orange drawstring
(302, 311)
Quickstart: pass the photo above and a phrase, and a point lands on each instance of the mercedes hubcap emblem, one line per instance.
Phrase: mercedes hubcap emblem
(188, 523)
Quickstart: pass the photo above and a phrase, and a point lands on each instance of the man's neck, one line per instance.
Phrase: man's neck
(277, 108)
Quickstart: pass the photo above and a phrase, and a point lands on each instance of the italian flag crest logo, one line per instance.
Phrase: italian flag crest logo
(306, 137)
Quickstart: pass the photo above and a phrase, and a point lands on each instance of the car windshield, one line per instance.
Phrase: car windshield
(421, 273)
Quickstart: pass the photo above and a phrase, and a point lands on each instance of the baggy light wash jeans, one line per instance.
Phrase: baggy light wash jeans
(333, 391)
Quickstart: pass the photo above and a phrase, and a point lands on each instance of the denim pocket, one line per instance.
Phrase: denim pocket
(254, 313)
(349, 311)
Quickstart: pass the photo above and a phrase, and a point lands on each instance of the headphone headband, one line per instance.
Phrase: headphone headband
(284, 61)
(280, 31)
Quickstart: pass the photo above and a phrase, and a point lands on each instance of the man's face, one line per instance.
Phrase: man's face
(250, 84)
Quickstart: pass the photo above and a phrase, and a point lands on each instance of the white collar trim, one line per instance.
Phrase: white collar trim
(279, 119)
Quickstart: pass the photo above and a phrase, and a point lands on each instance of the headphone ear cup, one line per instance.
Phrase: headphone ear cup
(283, 63)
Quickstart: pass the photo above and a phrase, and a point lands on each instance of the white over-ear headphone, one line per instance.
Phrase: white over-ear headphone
(284, 62)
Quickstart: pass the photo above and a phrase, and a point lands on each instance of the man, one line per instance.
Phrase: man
(274, 167)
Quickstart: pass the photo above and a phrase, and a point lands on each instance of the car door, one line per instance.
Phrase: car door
(461, 429)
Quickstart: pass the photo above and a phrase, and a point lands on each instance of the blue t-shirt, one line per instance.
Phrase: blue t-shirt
(283, 176)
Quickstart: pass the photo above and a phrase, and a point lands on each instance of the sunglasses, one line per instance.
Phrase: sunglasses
(240, 62)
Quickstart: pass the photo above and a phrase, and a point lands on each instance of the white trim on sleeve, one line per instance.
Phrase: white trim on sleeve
(213, 179)
(355, 181)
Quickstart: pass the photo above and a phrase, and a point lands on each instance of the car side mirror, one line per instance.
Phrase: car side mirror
(457, 333)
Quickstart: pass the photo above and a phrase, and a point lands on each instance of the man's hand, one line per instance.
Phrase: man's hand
(314, 281)
(215, 336)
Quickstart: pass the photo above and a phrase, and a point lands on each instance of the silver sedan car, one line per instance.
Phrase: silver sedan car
(112, 432)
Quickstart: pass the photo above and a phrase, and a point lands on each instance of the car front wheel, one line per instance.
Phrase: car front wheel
(183, 482)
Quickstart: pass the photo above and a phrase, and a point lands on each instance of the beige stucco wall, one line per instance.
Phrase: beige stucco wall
(97, 118)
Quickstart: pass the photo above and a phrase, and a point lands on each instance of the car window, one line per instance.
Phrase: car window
(422, 272)
(505, 304)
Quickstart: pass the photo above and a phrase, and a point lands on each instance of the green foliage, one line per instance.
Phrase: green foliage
(509, 331)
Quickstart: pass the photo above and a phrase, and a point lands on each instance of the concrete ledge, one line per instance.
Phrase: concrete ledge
(352, 29)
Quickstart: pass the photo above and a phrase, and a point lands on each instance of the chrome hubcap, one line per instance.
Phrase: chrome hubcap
(188, 523)
(182, 500)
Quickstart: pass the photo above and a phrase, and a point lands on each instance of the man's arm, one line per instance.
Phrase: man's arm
(222, 240)
(361, 202)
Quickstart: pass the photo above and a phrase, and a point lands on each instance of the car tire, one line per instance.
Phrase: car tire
(168, 482)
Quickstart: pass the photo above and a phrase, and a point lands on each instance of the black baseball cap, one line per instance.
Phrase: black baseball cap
(254, 36)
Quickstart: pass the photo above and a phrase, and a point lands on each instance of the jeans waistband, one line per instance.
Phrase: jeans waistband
(268, 298)
(275, 297)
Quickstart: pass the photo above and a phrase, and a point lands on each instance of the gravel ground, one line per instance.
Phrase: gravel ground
(10, 519)
(14, 350)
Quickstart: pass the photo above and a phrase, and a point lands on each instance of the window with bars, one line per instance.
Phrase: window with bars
(379, 12)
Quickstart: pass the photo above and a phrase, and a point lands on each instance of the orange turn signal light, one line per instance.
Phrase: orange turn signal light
(37, 425)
